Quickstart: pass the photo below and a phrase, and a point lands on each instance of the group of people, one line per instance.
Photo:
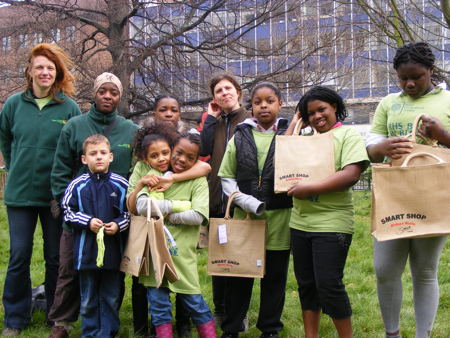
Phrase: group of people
(83, 174)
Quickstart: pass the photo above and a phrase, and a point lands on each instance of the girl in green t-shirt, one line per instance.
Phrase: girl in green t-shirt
(248, 166)
(153, 148)
(184, 227)
(322, 216)
(393, 120)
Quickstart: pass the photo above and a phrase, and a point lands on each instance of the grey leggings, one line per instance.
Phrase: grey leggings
(390, 259)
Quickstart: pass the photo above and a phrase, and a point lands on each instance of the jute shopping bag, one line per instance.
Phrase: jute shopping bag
(300, 158)
(411, 200)
(136, 256)
(236, 246)
(430, 146)
(161, 261)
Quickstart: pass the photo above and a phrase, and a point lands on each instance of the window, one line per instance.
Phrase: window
(70, 33)
(22, 40)
(37, 38)
(55, 34)
(6, 43)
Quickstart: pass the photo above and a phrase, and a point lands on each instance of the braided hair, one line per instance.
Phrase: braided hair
(322, 94)
(164, 96)
(420, 53)
(155, 131)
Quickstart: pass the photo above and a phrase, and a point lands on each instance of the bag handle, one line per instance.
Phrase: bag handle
(411, 156)
(298, 126)
(230, 200)
(414, 133)
(151, 202)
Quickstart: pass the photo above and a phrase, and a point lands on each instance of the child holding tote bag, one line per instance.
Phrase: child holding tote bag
(247, 166)
(393, 120)
(322, 217)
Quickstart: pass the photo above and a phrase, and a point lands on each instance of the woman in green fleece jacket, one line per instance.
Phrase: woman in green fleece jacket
(30, 124)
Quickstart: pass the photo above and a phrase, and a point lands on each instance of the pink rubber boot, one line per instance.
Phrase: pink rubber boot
(207, 330)
(164, 330)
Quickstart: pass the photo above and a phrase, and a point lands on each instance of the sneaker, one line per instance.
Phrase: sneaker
(10, 332)
(59, 332)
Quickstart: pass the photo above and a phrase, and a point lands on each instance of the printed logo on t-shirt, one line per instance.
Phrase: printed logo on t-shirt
(63, 122)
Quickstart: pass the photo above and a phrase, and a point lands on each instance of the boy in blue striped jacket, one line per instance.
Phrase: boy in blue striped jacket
(94, 206)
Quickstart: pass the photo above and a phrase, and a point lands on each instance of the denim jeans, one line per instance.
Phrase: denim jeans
(160, 306)
(319, 260)
(100, 299)
(17, 289)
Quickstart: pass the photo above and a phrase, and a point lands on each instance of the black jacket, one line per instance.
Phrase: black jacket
(247, 174)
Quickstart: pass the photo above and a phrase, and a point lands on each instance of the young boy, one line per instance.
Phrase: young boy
(94, 206)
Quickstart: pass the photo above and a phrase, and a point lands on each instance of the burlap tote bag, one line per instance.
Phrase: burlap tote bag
(136, 256)
(430, 146)
(236, 246)
(161, 260)
(411, 201)
(300, 158)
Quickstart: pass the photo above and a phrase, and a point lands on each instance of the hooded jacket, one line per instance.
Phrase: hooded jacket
(28, 141)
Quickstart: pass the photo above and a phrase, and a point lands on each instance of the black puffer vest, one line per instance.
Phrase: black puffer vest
(247, 173)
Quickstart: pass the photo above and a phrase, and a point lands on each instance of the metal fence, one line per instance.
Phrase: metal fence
(365, 181)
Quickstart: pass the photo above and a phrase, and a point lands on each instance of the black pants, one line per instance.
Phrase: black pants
(238, 292)
(319, 260)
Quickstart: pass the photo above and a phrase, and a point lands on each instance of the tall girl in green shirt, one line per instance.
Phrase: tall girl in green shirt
(247, 166)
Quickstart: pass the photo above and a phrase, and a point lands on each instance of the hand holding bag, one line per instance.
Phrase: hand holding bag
(431, 148)
(236, 246)
(301, 158)
(411, 201)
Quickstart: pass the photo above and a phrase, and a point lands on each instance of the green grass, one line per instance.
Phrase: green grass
(359, 279)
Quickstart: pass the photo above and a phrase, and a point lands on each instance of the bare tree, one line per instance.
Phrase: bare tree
(174, 46)
(396, 22)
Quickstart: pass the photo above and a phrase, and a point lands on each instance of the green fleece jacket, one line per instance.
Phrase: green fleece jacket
(68, 164)
(28, 139)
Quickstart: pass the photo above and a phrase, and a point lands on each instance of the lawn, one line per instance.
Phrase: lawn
(359, 279)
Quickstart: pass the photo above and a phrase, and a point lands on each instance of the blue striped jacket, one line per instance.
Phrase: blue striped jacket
(101, 196)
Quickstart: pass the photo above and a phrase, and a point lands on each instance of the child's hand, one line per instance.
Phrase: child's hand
(214, 109)
(95, 224)
(432, 128)
(150, 180)
(111, 228)
(301, 190)
(164, 183)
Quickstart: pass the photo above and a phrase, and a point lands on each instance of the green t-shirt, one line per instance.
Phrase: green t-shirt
(184, 255)
(43, 101)
(396, 113)
(332, 212)
(278, 237)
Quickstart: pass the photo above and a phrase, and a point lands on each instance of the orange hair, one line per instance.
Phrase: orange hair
(64, 81)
